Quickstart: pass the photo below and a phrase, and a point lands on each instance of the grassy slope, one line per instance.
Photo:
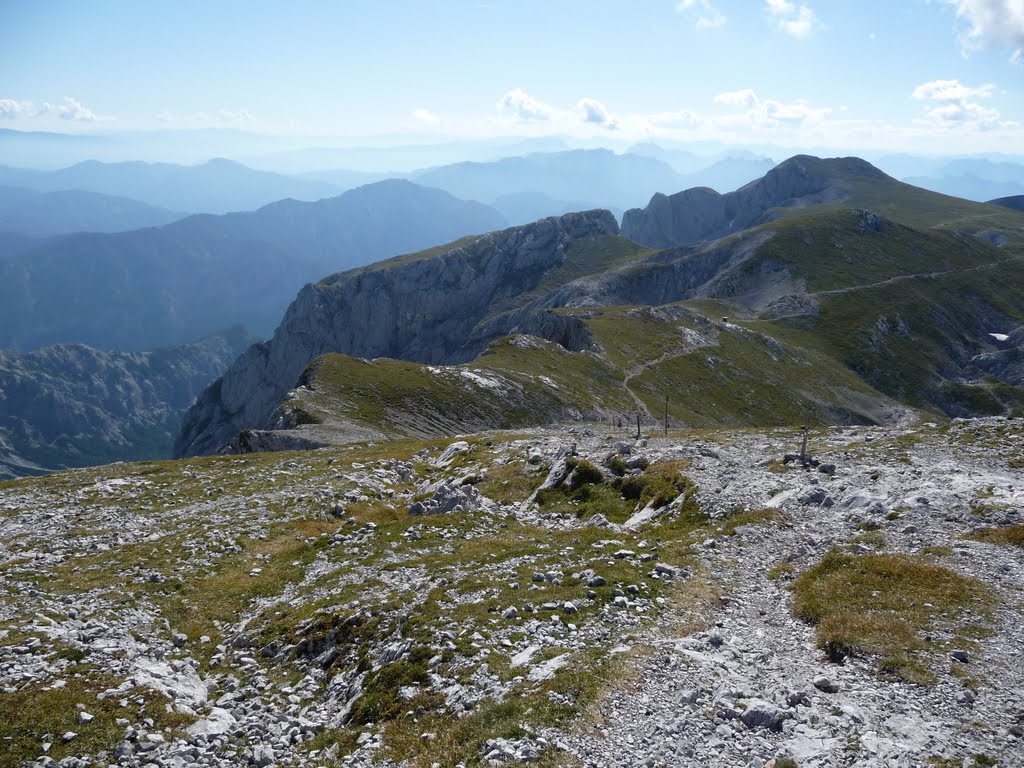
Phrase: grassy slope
(912, 206)
(714, 374)
(503, 389)
(903, 308)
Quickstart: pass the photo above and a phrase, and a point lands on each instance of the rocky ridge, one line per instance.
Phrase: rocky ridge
(824, 278)
(354, 606)
(384, 311)
(700, 214)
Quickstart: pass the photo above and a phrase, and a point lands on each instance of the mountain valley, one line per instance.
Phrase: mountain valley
(72, 405)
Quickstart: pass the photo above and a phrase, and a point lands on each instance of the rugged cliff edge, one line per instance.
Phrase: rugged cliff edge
(694, 215)
(420, 308)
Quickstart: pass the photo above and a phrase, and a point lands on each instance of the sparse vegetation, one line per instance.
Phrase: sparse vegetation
(38, 713)
(1012, 536)
(881, 605)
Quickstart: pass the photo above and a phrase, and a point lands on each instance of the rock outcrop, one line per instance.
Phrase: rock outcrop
(72, 405)
(695, 215)
(422, 309)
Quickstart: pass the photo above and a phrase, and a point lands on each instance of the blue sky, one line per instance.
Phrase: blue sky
(931, 75)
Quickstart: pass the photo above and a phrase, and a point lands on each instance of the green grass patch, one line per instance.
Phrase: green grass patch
(883, 605)
(36, 714)
(1013, 536)
(749, 517)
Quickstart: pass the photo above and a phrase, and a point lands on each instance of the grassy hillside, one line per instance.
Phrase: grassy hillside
(713, 373)
(916, 207)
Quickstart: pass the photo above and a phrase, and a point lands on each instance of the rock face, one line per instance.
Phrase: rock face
(694, 215)
(386, 311)
(1007, 363)
(72, 405)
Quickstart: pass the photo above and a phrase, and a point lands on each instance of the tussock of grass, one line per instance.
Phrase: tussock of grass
(781, 570)
(883, 605)
(460, 740)
(510, 483)
(749, 517)
(1012, 536)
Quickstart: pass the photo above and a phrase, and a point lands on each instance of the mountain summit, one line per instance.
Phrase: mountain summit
(698, 214)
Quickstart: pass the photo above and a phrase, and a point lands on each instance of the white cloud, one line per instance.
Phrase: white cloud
(682, 119)
(991, 24)
(796, 21)
(961, 113)
(704, 14)
(594, 112)
(425, 116)
(237, 116)
(12, 108)
(70, 109)
(951, 90)
(955, 106)
(744, 98)
(523, 107)
(759, 112)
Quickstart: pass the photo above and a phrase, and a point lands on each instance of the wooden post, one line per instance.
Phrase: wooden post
(803, 447)
(666, 414)
(638, 426)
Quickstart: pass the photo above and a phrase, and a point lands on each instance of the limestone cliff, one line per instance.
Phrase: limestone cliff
(422, 308)
(694, 215)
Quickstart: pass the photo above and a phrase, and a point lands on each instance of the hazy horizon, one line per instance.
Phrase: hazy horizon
(935, 77)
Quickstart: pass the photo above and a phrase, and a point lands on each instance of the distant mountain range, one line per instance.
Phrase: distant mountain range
(523, 188)
(165, 285)
(217, 186)
(44, 214)
(582, 179)
(968, 187)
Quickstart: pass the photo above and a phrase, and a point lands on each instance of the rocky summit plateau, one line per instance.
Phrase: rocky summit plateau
(561, 596)
(736, 483)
